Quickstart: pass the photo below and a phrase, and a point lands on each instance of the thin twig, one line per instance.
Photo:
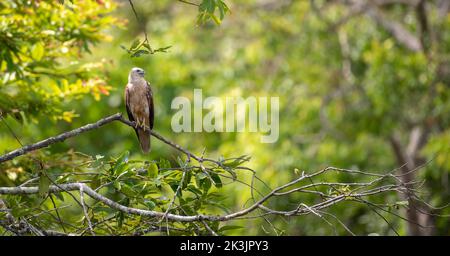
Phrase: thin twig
(209, 228)
(85, 211)
(57, 213)
(190, 3)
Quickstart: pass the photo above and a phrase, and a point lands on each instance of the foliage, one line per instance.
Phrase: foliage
(132, 183)
(42, 44)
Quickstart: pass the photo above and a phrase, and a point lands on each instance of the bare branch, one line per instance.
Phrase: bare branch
(209, 228)
(66, 135)
(86, 215)
(300, 210)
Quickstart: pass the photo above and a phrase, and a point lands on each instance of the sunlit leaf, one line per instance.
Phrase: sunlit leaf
(135, 44)
(152, 170)
(37, 51)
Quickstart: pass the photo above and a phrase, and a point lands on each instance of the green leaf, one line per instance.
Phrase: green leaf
(158, 182)
(37, 51)
(127, 190)
(162, 49)
(232, 172)
(150, 204)
(152, 171)
(62, 179)
(164, 164)
(194, 190)
(24, 118)
(207, 10)
(216, 179)
(99, 209)
(147, 45)
(120, 164)
(235, 162)
(120, 217)
(402, 203)
(187, 179)
(206, 185)
(21, 211)
(138, 53)
(135, 44)
(216, 20)
(174, 187)
(59, 196)
(210, 5)
(199, 178)
(223, 8)
(399, 204)
(117, 185)
(230, 227)
(44, 184)
(125, 48)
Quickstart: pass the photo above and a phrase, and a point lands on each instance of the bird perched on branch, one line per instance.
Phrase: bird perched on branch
(139, 103)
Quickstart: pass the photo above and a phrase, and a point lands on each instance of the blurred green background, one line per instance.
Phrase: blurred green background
(351, 88)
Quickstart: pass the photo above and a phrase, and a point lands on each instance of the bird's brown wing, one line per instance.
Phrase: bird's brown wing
(127, 105)
(150, 105)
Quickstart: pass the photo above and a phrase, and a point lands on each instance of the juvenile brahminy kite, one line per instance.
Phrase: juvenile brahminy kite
(139, 103)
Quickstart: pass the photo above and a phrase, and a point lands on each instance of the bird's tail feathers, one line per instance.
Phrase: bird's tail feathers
(144, 140)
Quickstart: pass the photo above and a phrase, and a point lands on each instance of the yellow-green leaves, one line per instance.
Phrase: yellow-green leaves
(208, 9)
(43, 44)
(37, 51)
(44, 184)
(68, 116)
(121, 164)
(152, 171)
(139, 48)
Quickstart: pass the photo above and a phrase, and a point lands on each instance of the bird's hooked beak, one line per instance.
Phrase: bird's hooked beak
(141, 72)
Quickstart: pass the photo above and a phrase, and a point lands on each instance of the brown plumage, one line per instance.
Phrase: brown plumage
(139, 104)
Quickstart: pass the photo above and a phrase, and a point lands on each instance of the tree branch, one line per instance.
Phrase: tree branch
(398, 31)
(302, 209)
(63, 136)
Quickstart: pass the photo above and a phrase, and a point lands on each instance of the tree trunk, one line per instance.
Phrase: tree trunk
(419, 219)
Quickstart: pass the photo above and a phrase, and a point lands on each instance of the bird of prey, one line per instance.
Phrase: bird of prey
(139, 104)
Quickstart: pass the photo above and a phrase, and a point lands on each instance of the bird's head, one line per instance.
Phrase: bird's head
(136, 73)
